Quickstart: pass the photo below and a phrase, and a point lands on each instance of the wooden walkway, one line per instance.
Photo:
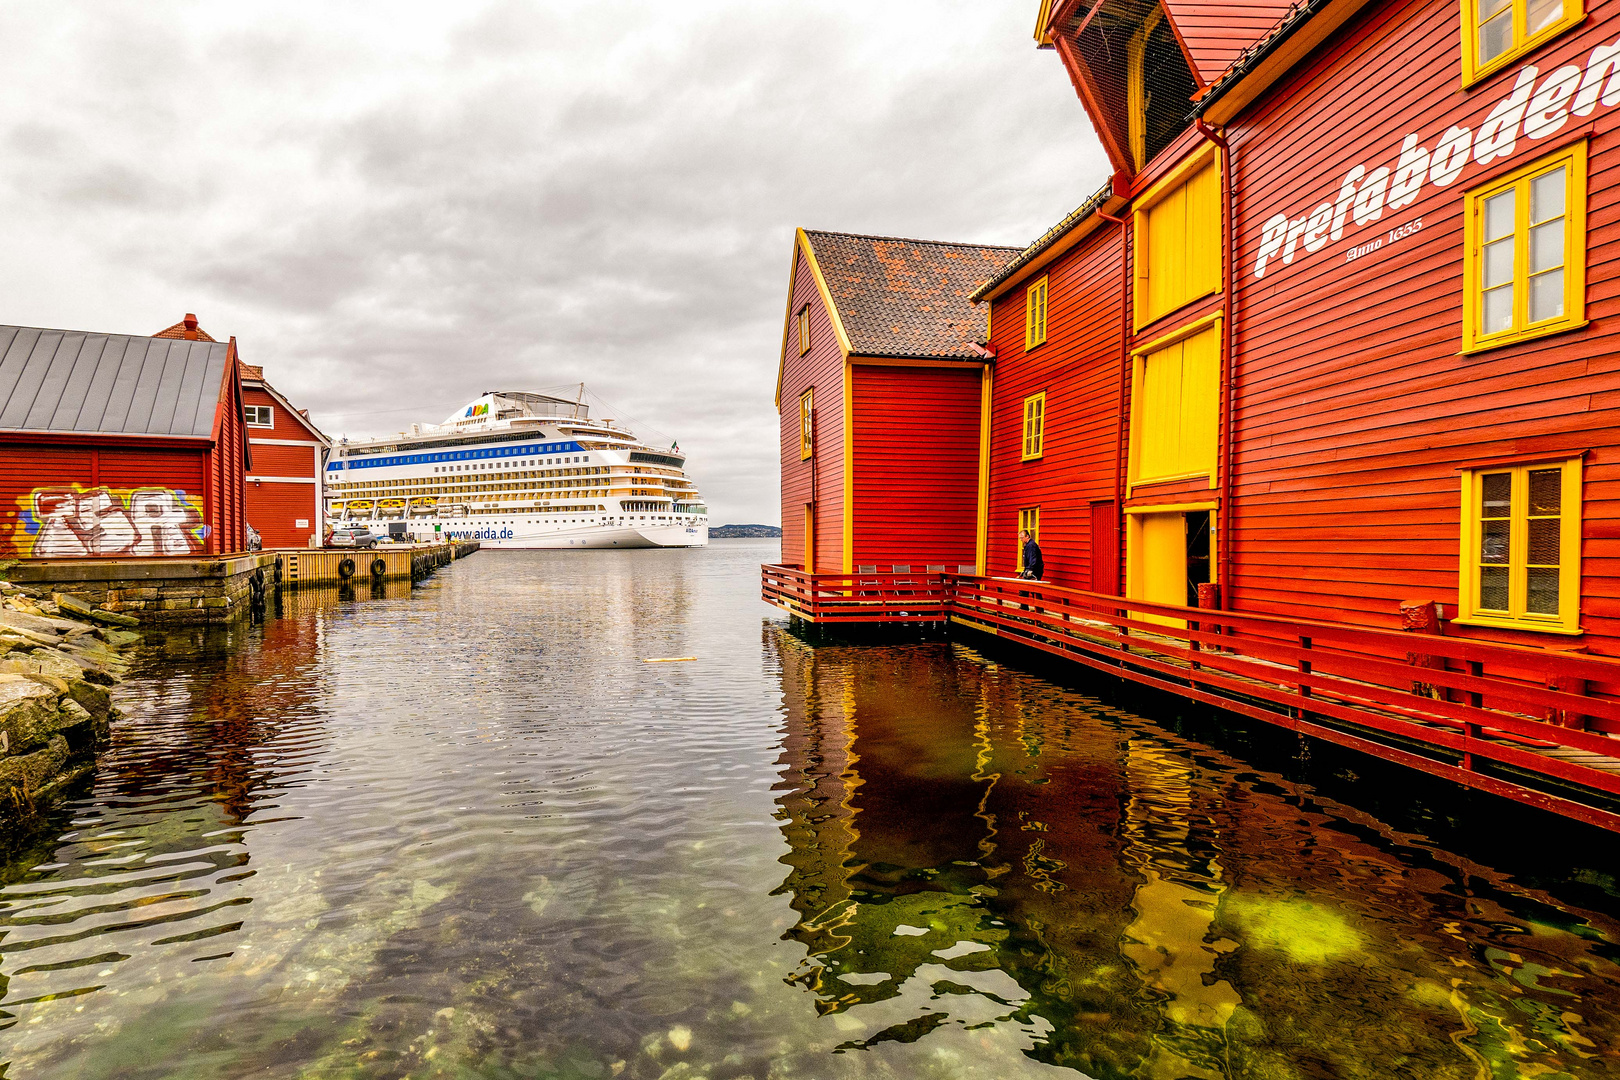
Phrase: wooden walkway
(1532, 725)
(389, 562)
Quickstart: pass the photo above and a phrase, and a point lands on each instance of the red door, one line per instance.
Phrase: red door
(1104, 548)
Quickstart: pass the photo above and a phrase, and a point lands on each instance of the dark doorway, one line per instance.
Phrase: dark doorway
(1197, 553)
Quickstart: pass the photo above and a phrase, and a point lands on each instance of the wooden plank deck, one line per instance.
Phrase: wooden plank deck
(1499, 718)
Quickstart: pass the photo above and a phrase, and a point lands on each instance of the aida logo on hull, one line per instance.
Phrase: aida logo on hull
(479, 534)
(477, 410)
(1538, 110)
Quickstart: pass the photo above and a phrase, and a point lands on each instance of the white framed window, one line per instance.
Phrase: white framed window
(258, 416)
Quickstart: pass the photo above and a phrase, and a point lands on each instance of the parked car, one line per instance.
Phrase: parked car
(355, 536)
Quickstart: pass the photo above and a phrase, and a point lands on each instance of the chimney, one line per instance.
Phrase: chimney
(190, 323)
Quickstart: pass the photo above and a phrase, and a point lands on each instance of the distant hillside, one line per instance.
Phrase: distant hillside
(731, 532)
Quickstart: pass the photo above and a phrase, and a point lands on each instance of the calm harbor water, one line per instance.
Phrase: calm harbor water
(466, 830)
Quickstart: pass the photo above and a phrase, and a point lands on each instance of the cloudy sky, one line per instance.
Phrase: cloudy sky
(396, 207)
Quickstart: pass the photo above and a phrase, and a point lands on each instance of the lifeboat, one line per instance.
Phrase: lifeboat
(360, 509)
(423, 506)
(390, 509)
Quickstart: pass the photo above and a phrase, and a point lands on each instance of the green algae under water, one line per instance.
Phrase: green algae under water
(465, 831)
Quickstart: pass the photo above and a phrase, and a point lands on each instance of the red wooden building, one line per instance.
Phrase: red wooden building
(284, 491)
(881, 390)
(119, 445)
(1278, 343)
(1331, 351)
(285, 496)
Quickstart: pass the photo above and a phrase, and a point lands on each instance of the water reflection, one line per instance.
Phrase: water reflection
(464, 830)
(973, 848)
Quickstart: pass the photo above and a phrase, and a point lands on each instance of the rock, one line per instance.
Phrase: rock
(117, 619)
(33, 622)
(74, 605)
(27, 713)
(42, 662)
(117, 639)
(93, 699)
(31, 637)
(71, 714)
(31, 771)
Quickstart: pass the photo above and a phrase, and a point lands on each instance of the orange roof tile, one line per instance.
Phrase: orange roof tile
(185, 330)
(899, 297)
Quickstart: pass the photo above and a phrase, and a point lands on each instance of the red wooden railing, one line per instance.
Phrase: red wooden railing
(856, 598)
(1514, 721)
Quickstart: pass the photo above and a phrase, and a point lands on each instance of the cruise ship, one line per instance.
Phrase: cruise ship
(519, 470)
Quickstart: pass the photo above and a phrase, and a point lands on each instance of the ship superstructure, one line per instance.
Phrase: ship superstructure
(519, 470)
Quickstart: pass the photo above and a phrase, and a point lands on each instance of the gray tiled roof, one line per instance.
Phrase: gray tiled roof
(67, 380)
(899, 297)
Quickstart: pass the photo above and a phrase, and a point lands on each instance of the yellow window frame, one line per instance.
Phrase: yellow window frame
(1473, 69)
(1574, 159)
(1209, 283)
(806, 419)
(1029, 517)
(1140, 406)
(804, 329)
(1035, 298)
(1034, 426)
(1516, 615)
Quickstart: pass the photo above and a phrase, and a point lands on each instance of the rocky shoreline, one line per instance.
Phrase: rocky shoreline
(58, 656)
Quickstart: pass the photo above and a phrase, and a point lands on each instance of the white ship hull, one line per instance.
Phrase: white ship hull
(519, 470)
(502, 534)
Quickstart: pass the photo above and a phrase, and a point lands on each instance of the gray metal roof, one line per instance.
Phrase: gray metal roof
(67, 380)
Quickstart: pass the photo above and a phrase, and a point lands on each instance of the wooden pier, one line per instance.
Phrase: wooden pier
(392, 562)
(1533, 725)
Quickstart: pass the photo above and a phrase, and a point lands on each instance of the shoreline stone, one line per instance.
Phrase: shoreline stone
(58, 655)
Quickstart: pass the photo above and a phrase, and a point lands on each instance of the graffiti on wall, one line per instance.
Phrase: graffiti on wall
(68, 522)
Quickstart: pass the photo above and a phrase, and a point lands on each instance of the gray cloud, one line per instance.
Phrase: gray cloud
(395, 208)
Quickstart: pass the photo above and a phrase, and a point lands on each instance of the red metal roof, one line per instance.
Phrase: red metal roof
(899, 297)
(1215, 34)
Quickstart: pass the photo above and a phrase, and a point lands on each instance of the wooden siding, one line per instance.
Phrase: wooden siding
(822, 368)
(916, 460)
(1355, 408)
(121, 466)
(1079, 368)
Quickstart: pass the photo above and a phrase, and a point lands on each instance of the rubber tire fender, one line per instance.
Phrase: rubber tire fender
(378, 567)
(346, 568)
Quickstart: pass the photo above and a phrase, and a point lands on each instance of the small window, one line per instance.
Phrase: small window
(806, 424)
(1034, 425)
(1035, 314)
(1524, 254)
(257, 415)
(1029, 518)
(1522, 546)
(1497, 31)
(804, 329)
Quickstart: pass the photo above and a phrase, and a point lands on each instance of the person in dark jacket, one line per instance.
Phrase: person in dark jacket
(1034, 566)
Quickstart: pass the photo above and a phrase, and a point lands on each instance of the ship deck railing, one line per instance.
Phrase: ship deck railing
(1536, 725)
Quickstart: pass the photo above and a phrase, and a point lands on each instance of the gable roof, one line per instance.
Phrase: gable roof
(254, 374)
(185, 330)
(906, 298)
(71, 381)
(1216, 34)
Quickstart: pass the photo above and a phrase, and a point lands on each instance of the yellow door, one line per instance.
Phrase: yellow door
(1159, 562)
(809, 538)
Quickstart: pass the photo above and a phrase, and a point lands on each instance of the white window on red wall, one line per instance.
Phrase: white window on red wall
(258, 416)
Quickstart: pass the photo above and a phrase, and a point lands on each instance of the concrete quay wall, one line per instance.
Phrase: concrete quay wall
(172, 592)
(190, 591)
